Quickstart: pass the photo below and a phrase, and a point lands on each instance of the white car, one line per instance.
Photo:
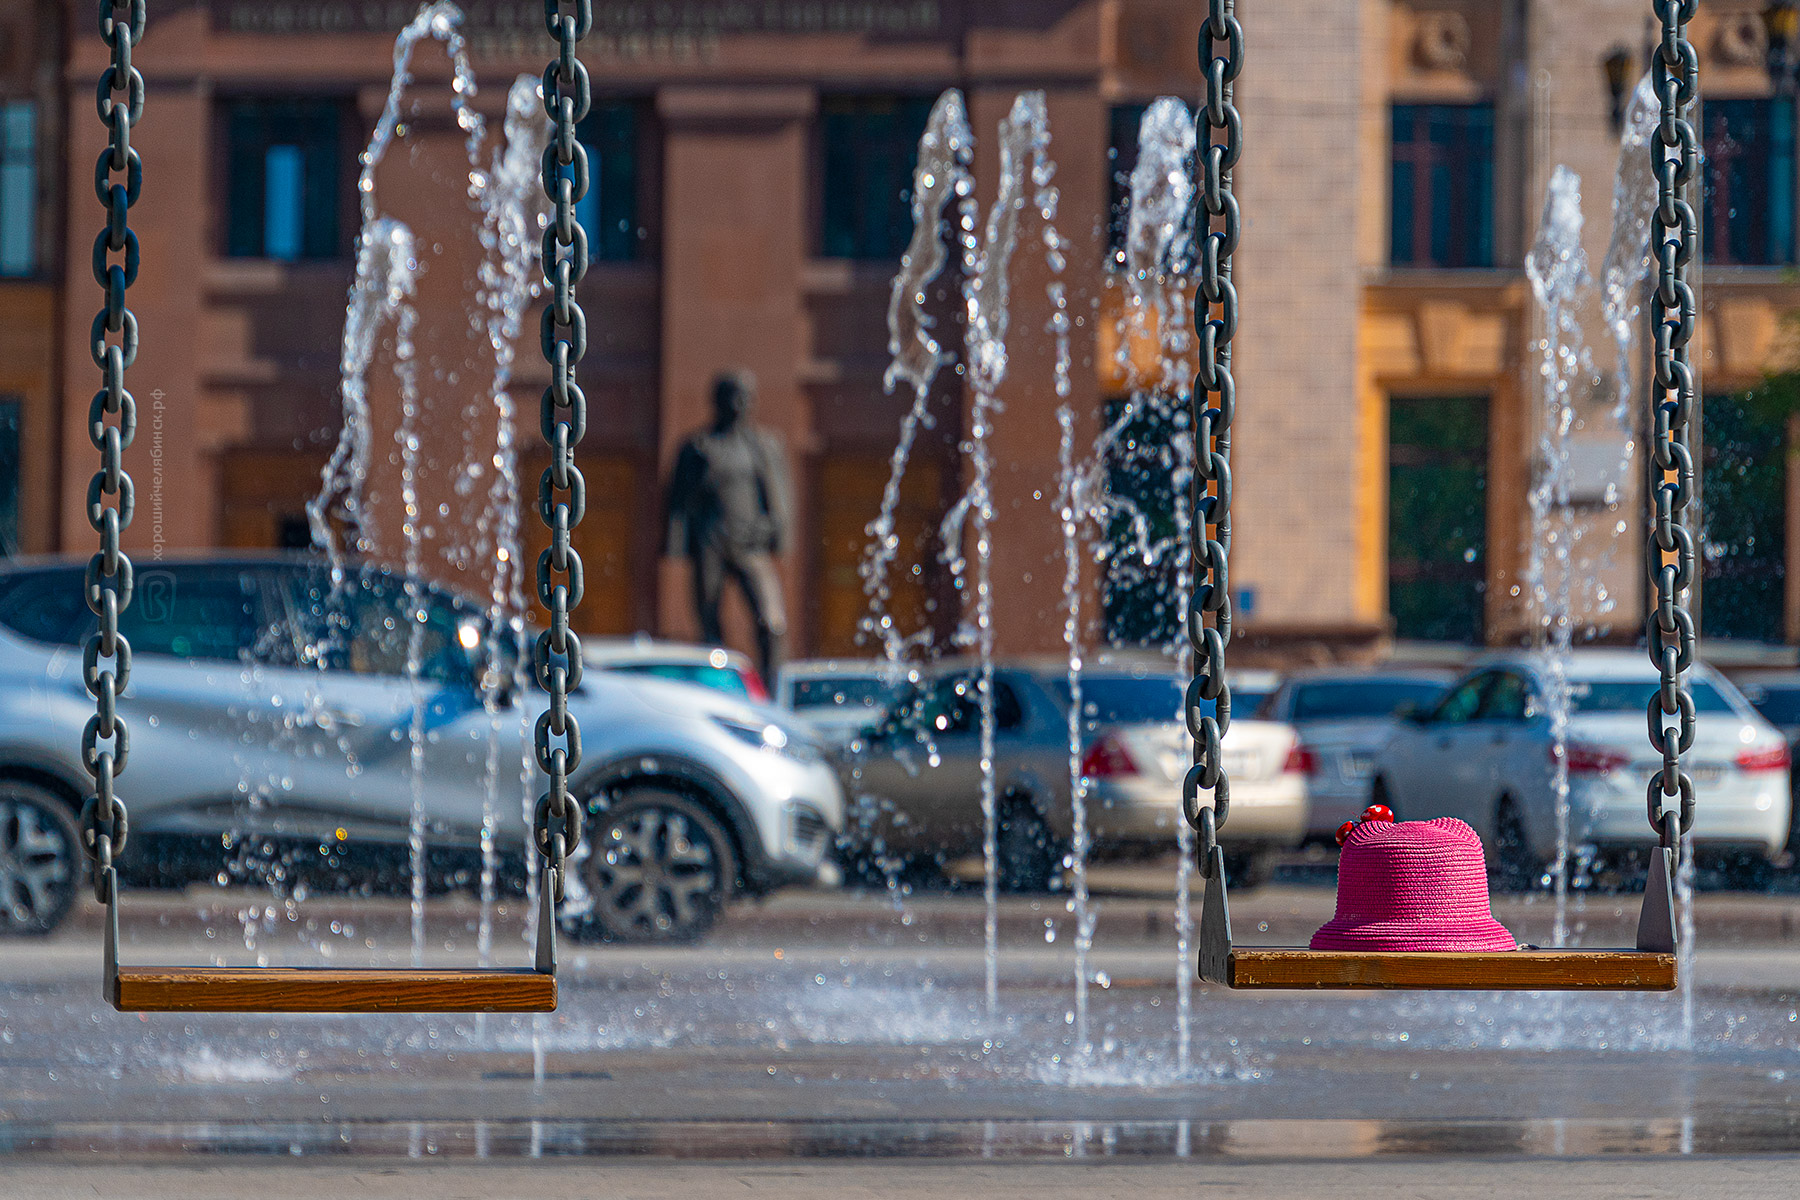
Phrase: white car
(1345, 716)
(716, 667)
(269, 717)
(1485, 754)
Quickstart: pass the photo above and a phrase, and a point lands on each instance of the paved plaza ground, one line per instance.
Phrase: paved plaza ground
(842, 1043)
(1438, 1178)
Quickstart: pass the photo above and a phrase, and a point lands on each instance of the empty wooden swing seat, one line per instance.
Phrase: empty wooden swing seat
(334, 989)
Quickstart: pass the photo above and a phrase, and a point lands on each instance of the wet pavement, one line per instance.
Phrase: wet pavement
(827, 1024)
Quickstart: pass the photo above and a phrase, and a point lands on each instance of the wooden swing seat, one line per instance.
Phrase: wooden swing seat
(1509, 971)
(331, 990)
(1650, 967)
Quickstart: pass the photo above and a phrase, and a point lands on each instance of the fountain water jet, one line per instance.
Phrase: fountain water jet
(1024, 145)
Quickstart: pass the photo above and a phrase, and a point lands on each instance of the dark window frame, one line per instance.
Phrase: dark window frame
(329, 213)
(857, 232)
(621, 139)
(13, 157)
(1432, 575)
(1444, 154)
(1745, 138)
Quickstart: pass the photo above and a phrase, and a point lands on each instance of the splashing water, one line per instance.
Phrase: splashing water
(1557, 268)
(1024, 143)
(516, 214)
(942, 175)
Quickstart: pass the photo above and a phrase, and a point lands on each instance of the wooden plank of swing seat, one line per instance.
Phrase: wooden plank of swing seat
(1509, 971)
(331, 990)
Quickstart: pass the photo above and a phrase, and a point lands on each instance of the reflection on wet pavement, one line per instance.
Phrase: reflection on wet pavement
(824, 1024)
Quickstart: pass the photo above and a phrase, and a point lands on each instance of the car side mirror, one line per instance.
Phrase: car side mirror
(1410, 712)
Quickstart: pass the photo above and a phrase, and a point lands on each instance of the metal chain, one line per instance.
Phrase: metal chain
(562, 491)
(1214, 401)
(111, 498)
(1674, 157)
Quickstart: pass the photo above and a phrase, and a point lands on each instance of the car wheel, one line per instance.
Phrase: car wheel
(1515, 868)
(40, 859)
(1026, 850)
(1248, 869)
(658, 869)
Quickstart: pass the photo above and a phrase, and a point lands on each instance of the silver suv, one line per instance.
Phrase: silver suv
(270, 723)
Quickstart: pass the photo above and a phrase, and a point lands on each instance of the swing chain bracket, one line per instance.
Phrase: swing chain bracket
(1213, 402)
(562, 490)
(111, 498)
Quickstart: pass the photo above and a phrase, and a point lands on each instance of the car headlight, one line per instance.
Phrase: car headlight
(771, 737)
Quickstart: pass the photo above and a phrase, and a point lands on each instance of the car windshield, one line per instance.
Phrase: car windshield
(720, 679)
(1351, 698)
(1781, 705)
(1632, 695)
(830, 691)
(1126, 700)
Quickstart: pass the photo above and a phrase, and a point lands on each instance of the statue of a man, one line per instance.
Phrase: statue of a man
(729, 509)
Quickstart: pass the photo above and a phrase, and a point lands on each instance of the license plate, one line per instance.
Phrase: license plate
(1356, 764)
(1239, 763)
(1707, 773)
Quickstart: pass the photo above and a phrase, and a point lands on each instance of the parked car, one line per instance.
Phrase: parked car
(1777, 697)
(267, 709)
(1251, 688)
(1345, 716)
(840, 697)
(1486, 754)
(716, 667)
(916, 777)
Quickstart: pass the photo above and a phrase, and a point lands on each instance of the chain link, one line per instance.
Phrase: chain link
(562, 491)
(1214, 402)
(1674, 157)
(112, 424)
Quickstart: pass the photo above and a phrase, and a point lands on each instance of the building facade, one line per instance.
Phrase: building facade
(31, 208)
(749, 209)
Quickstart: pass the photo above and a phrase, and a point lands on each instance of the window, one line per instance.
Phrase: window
(1744, 471)
(871, 145)
(284, 163)
(18, 187)
(1362, 699)
(1443, 185)
(1437, 517)
(44, 606)
(609, 211)
(365, 629)
(10, 410)
(1749, 217)
(1463, 701)
(1508, 700)
(209, 614)
(379, 636)
(719, 679)
(955, 707)
(1127, 699)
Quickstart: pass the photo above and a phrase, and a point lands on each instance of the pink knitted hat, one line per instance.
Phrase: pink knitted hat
(1412, 885)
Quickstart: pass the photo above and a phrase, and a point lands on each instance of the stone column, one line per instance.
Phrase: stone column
(736, 205)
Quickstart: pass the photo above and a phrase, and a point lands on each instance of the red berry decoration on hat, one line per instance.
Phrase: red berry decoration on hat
(1379, 813)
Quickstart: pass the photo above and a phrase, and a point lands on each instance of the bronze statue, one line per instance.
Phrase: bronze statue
(729, 510)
